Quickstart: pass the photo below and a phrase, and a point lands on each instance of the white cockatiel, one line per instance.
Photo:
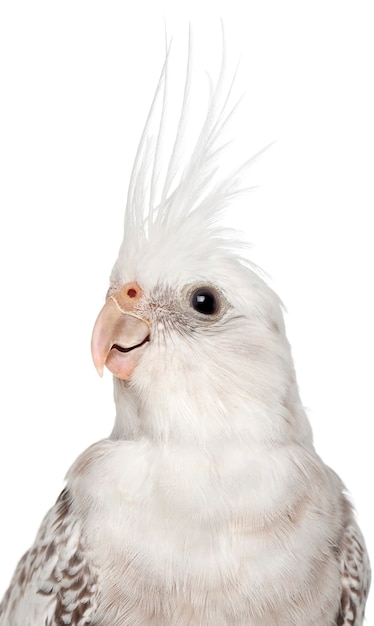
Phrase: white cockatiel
(207, 505)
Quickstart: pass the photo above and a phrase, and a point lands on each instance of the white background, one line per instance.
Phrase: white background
(77, 79)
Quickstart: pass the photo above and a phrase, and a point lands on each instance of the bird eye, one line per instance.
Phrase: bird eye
(205, 300)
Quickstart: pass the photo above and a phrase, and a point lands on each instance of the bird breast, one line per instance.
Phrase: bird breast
(168, 523)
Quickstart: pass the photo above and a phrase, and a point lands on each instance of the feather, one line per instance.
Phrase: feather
(355, 571)
(53, 583)
(185, 194)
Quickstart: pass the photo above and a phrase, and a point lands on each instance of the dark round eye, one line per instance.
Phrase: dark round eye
(205, 300)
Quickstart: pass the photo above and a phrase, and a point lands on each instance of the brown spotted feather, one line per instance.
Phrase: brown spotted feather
(54, 569)
(355, 578)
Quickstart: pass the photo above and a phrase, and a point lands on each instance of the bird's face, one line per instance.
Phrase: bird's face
(131, 319)
(225, 324)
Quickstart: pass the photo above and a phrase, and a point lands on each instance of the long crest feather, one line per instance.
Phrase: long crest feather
(180, 185)
(187, 181)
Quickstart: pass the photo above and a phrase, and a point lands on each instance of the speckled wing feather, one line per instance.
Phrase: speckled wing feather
(355, 578)
(53, 583)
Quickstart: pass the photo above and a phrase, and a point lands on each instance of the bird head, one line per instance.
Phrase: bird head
(193, 335)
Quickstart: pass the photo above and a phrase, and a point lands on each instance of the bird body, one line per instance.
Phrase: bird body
(207, 505)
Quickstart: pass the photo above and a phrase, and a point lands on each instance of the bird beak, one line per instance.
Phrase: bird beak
(120, 335)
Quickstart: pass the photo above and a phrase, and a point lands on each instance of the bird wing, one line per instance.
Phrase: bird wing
(355, 570)
(53, 583)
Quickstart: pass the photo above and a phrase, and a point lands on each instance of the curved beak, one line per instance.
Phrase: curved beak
(120, 336)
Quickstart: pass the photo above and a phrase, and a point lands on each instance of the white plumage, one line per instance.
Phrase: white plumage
(207, 505)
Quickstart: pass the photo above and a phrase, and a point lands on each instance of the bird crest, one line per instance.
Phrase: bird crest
(177, 191)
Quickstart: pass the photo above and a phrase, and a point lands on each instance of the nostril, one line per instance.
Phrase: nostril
(128, 297)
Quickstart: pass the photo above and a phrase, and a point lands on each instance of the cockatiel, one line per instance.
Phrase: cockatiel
(207, 505)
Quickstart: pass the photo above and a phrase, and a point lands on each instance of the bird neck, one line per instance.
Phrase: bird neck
(185, 416)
